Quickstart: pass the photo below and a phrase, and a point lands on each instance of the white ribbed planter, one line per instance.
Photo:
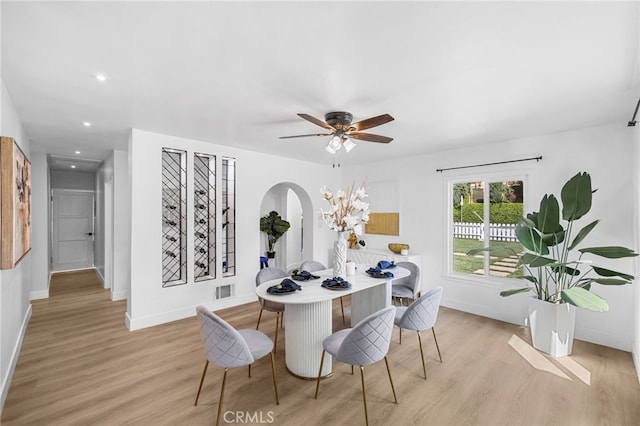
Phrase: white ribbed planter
(552, 326)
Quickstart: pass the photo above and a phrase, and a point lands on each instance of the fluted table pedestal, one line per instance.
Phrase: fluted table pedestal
(305, 327)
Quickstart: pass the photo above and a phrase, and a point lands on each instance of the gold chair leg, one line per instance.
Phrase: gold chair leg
(275, 341)
(342, 307)
(273, 373)
(433, 329)
(400, 336)
(259, 317)
(424, 367)
(391, 381)
(206, 364)
(352, 370)
(319, 374)
(364, 397)
(224, 380)
(249, 370)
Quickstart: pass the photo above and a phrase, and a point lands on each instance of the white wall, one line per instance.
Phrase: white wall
(151, 304)
(62, 179)
(15, 284)
(601, 151)
(102, 176)
(40, 220)
(121, 225)
(636, 232)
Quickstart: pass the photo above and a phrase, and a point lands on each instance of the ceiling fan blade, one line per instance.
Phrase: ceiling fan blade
(369, 137)
(304, 136)
(372, 122)
(316, 121)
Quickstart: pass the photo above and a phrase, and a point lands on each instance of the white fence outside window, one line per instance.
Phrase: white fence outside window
(497, 231)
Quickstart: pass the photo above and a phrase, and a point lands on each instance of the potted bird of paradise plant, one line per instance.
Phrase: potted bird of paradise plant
(560, 273)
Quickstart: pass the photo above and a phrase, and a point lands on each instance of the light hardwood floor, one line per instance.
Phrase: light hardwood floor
(79, 365)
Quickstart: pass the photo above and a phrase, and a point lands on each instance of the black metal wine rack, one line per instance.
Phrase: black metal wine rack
(204, 202)
(174, 211)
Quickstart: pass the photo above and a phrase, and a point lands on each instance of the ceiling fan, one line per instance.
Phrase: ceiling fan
(340, 127)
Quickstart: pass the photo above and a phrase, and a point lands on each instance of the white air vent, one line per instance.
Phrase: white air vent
(224, 291)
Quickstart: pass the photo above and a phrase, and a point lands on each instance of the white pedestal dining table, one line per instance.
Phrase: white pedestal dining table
(308, 314)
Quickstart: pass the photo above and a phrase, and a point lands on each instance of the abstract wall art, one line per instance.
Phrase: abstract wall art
(15, 203)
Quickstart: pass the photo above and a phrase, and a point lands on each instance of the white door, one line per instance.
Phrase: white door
(72, 240)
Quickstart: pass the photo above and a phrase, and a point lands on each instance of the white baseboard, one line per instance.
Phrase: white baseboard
(6, 380)
(118, 295)
(482, 310)
(100, 277)
(136, 323)
(588, 335)
(40, 294)
(611, 340)
(636, 360)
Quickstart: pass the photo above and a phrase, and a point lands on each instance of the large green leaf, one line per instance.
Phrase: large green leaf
(576, 197)
(610, 252)
(515, 291)
(582, 298)
(610, 281)
(609, 273)
(554, 238)
(530, 278)
(530, 239)
(567, 270)
(535, 260)
(549, 214)
(531, 221)
(582, 234)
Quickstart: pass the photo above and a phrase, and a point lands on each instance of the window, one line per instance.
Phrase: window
(484, 213)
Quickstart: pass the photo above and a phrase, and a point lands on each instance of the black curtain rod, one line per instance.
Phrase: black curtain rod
(633, 119)
(491, 164)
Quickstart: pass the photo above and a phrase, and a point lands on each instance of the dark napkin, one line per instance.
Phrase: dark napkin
(384, 264)
(303, 276)
(335, 282)
(378, 273)
(286, 286)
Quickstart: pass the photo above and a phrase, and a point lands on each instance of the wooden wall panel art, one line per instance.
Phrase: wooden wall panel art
(383, 223)
(15, 203)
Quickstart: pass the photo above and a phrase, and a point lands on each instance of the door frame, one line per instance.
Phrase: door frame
(51, 224)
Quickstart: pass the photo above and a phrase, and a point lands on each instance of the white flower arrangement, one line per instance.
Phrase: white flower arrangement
(348, 211)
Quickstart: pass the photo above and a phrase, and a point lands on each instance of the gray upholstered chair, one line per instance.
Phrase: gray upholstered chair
(313, 266)
(407, 288)
(228, 348)
(264, 275)
(419, 316)
(364, 344)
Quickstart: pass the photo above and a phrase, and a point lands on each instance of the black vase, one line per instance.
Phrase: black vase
(271, 254)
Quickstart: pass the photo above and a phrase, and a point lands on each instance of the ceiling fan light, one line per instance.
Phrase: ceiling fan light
(335, 142)
(348, 144)
(329, 149)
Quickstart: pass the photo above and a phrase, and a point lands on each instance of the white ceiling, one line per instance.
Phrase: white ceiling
(453, 74)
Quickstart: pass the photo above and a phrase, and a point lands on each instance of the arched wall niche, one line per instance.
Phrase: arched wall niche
(294, 205)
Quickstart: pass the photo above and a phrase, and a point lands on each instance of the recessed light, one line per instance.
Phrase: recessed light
(101, 77)
(73, 166)
(86, 124)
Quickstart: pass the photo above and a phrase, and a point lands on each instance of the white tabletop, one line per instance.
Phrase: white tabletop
(312, 290)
